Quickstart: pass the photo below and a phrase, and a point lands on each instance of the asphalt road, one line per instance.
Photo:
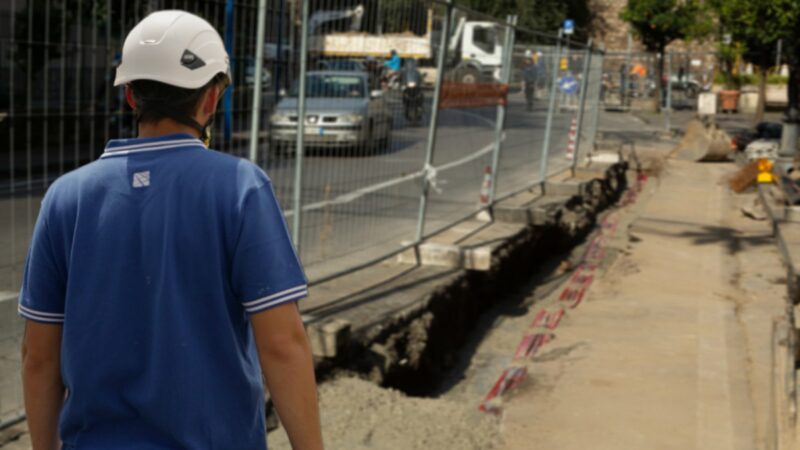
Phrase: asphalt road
(353, 218)
(337, 234)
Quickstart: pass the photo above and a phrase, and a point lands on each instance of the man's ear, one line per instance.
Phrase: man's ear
(210, 100)
(129, 96)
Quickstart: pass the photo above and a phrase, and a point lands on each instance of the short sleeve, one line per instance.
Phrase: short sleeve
(41, 298)
(266, 271)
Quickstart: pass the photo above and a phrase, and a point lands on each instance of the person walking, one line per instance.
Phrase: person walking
(161, 283)
(530, 78)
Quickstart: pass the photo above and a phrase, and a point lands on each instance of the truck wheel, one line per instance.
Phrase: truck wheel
(469, 75)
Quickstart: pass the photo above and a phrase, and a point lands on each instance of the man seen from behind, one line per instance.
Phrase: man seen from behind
(161, 284)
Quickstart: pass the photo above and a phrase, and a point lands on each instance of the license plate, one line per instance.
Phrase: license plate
(315, 130)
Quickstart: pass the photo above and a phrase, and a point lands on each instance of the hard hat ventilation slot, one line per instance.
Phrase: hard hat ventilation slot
(191, 61)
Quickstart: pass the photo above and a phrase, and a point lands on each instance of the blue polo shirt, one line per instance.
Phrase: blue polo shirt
(152, 258)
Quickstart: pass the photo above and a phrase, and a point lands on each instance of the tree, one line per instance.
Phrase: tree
(660, 22)
(540, 15)
(756, 26)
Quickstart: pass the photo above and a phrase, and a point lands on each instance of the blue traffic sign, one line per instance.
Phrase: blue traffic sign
(569, 26)
(568, 85)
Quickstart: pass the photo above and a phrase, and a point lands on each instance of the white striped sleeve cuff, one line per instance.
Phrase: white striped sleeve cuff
(270, 301)
(39, 316)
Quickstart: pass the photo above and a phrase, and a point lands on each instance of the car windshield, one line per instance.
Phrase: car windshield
(332, 86)
(342, 64)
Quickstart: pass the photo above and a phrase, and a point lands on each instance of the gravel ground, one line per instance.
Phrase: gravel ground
(356, 414)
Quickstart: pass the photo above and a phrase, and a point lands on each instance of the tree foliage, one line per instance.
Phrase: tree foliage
(540, 15)
(756, 26)
(660, 22)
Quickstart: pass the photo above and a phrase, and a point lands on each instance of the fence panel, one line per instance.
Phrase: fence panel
(690, 74)
(465, 142)
(366, 131)
(593, 107)
(534, 57)
(373, 141)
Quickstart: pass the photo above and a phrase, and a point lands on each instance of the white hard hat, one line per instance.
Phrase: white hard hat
(173, 47)
(528, 53)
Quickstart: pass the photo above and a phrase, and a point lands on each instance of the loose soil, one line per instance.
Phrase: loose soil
(357, 414)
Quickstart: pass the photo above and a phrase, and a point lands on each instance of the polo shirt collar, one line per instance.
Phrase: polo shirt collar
(119, 147)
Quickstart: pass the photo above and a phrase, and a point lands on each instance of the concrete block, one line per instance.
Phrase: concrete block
(777, 95)
(565, 188)
(536, 214)
(328, 339)
(478, 258)
(448, 255)
(433, 254)
(791, 214)
(748, 102)
(707, 104)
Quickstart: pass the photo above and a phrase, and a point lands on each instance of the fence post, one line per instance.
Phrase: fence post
(437, 92)
(587, 61)
(505, 78)
(597, 105)
(301, 130)
(255, 120)
(550, 111)
(668, 108)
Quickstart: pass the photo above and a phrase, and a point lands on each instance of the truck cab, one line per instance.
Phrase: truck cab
(476, 51)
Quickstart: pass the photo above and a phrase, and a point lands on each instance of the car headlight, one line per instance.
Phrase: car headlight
(352, 118)
(278, 117)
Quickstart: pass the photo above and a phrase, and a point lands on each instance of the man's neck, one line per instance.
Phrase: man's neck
(165, 127)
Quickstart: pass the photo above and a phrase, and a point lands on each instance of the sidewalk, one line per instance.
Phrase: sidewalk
(671, 346)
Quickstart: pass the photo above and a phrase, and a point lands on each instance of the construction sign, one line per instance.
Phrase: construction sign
(472, 95)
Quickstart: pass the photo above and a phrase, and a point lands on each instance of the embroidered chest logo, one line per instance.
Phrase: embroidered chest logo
(141, 179)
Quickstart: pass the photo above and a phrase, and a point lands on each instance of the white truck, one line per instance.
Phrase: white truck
(474, 53)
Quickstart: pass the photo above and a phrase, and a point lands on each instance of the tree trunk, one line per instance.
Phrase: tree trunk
(660, 78)
(762, 93)
(793, 110)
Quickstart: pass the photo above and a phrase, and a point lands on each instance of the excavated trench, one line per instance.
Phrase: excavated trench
(418, 353)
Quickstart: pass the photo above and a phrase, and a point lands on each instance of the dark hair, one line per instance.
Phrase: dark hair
(156, 100)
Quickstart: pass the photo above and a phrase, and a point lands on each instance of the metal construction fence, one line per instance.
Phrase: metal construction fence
(366, 158)
(630, 80)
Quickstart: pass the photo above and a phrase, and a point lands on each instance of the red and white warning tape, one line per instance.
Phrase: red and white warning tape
(573, 293)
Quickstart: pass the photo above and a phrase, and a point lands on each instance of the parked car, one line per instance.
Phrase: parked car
(341, 112)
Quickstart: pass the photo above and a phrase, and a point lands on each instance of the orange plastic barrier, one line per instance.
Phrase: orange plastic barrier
(472, 95)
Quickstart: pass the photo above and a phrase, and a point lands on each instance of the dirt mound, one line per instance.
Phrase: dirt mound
(703, 142)
(356, 415)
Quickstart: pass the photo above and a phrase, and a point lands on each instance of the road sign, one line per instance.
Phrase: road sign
(564, 65)
(569, 27)
(568, 85)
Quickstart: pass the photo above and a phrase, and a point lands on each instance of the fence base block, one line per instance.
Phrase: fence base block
(568, 187)
(447, 255)
(329, 338)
